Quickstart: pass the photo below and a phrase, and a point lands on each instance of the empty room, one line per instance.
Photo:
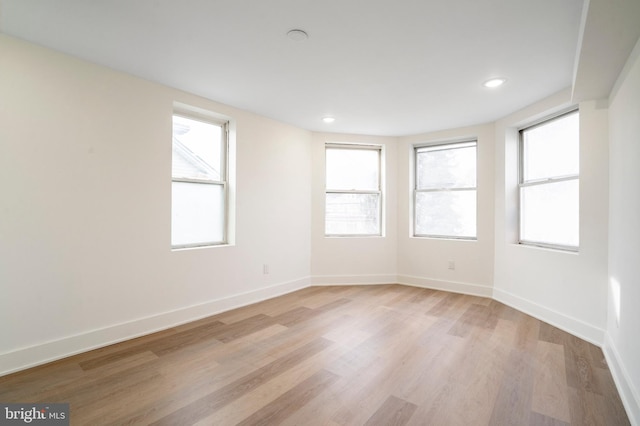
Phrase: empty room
(222, 212)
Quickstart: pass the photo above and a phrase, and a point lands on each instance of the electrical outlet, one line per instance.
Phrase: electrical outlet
(265, 269)
(452, 265)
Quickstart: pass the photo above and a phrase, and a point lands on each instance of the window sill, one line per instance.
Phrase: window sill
(426, 237)
(550, 248)
(353, 236)
(199, 247)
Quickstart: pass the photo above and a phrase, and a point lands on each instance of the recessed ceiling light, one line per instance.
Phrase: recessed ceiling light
(328, 119)
(494, 82)
(297, 35)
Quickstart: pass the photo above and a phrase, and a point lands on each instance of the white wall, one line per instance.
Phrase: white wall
(565, 289)
(622, 345)
(425, 261)
(85, 184)
(85, 187)
(365, 260)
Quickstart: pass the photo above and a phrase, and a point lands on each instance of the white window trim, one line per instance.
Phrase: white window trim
(379, 192)
(533, 182)
(224, 182)
(444, 145)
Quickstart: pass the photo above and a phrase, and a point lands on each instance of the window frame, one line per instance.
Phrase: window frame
(224, 124)
(357, 146)
(522, 184)
(451, 145)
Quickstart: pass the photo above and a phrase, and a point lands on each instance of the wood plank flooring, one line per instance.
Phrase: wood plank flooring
(353, 355)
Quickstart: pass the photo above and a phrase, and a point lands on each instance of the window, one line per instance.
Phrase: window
(549, 183)
(353, 197)
(199, 182)
(445, 190)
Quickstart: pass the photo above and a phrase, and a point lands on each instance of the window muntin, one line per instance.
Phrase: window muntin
(199, 185)
(549, 183)
(445, 190)
(353, 198)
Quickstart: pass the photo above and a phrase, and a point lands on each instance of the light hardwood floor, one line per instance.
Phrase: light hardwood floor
(353, 355)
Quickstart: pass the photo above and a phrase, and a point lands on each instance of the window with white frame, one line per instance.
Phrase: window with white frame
(550, 183)
(199, 182)
(353, 198)
(445, 190)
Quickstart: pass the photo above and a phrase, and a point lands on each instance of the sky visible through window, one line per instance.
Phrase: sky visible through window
(203, 140)
(198, 191)
(552, 149)
(445, 198)
(352, 169)
(550, 192)
(354, 206)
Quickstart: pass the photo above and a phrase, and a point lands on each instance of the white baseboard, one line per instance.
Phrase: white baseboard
(326, 280)
(452, 286)
(32, 356)
(628, 393)
(564, 322)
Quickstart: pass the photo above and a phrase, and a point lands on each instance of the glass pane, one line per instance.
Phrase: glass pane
(197, 213)
(353, 169)
(441, 167)
(446, 213)
(197, 149)
(550, 213)
(352, 214)
(552, 149)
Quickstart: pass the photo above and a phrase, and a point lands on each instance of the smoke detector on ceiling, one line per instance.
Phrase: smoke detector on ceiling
(297, 35)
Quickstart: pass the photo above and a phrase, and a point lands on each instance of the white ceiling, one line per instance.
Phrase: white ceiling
(381, 67)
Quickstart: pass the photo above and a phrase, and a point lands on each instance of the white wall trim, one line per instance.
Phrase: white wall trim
(32, 356)
(325, 280)
(564, 322)
(629, 395)
(452, 286)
